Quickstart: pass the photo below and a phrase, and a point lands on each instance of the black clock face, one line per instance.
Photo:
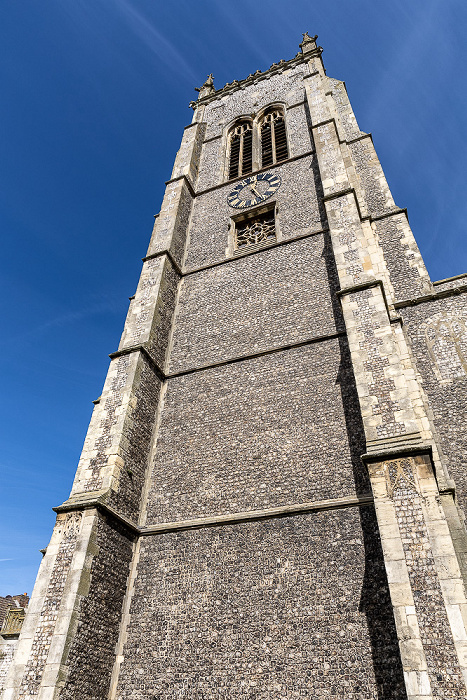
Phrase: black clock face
(253, 190)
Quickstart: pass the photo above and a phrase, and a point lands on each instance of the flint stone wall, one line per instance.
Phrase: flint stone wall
(408, 274)
(286, 87)
(437, 332)
(299, 212)
(7, 652)
(274, 298)
(278, 429)
(291, 607)
(214, 152)
(92, 652)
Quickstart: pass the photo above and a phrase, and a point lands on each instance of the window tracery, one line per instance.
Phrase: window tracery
(241, 149)
(256, 230)
(258, 143)
(273, 138)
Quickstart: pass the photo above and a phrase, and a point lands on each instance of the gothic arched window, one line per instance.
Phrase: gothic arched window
(241, 149)
(273, 138)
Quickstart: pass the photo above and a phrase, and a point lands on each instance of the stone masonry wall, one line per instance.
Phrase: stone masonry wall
(450, 283)
(377, 194)
(300, 212)
(283, 87)
(285, 608)
(134, 448)
(115, 450)
(344, 109)
(214, 152)
(91, 656)
(273, 298)
(149, 317)
(279, 429)
(7, 652)
(407, 271)
(437, 332)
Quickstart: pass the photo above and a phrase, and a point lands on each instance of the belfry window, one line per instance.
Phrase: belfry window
(273, 138)
(241, 150)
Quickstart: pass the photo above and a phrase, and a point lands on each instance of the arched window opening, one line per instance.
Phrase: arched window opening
(273, 138)
(241, 150)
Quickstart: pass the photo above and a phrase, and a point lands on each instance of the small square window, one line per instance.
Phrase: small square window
(255, 231)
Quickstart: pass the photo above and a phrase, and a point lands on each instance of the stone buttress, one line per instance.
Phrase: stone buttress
(264, 506)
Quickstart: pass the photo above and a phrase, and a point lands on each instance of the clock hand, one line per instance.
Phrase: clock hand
(253, 187)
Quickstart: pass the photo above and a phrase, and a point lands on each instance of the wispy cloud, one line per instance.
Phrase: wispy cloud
(245, 31)
(6, 559)
(164, 49)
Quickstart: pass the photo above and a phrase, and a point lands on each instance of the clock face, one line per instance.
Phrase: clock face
(253, 190)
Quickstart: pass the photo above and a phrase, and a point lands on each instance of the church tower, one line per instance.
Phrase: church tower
(270, 499)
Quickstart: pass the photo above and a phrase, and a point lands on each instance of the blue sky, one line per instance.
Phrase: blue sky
(94, 99)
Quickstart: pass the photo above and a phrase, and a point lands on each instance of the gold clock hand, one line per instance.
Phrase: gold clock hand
(253, 186)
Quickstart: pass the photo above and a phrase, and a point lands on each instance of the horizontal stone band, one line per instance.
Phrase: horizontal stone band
(212, 521)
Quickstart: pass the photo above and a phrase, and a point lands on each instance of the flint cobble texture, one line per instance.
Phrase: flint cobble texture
(7, 652)
(278, 429)
(461, 281)
(344, 109)
(443, 665)
(295, 607)
(437, 332)
(299, 212)
(280, 87)
(134, 448)
(273, 298)
(406, 268)
(91, 657)
(370, 172)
